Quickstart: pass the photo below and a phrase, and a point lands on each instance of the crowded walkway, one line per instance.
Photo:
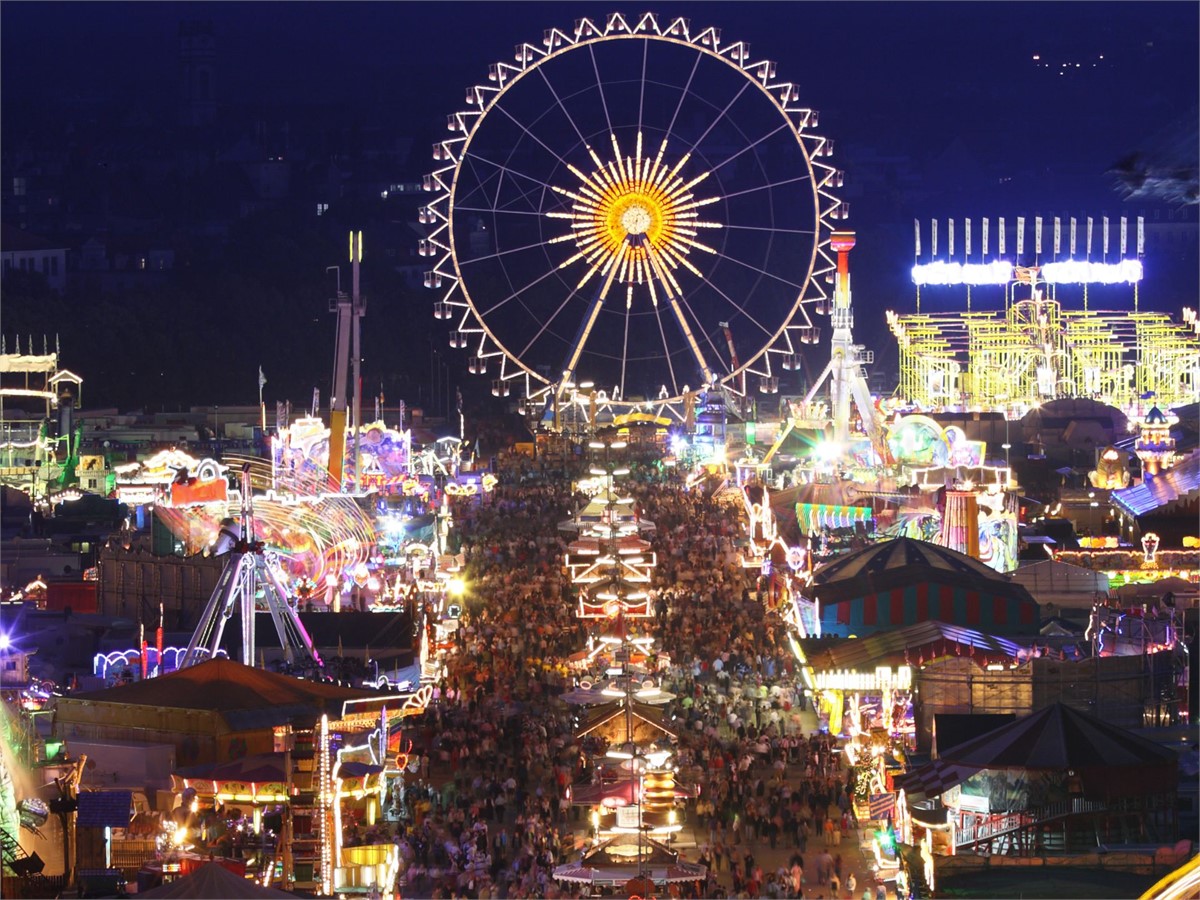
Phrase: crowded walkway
(487, 815)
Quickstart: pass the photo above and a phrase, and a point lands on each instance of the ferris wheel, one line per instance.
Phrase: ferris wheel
(634, 207)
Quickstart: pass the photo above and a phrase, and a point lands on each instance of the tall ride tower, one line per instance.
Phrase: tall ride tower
(847, 380)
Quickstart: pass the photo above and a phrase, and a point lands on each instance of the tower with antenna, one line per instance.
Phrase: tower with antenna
(847, 379)
(347, 354)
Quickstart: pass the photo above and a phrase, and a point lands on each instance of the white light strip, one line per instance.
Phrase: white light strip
(998, 272)
(1078, 271)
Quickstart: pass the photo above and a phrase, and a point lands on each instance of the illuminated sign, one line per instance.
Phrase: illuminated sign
(998, 272)
(1078, 271)
(884, 678)
(1069, 271)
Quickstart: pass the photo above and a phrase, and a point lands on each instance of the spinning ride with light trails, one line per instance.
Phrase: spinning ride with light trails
(635, 209)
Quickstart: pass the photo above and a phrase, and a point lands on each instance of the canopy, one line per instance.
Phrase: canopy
(616, 861)
(901, 553)
(1110, 761)
(213, 881)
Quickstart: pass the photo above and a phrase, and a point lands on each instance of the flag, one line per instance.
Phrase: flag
(1072, 237)
(1020, 237)
(1057, 236)
(262, 379)
(458, 399)
(1124, 236)
(967, 239)
(950, 240)
(1141, 235)
(1000, 236)
(1037, 235)
(917, 231)
(280, 416)
(933, 238)
(985, 238)
(1104, 235)
(882, 806)
(1089, 237)
(316, 401)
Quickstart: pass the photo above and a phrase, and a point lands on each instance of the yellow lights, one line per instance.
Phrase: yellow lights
(326, 800)
(883, 678)
(634, 220)
(456, 587)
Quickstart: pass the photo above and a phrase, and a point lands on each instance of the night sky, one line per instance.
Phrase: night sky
(1042, 99)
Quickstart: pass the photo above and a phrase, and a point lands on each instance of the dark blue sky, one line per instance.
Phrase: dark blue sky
(992, 108)
(902, 75)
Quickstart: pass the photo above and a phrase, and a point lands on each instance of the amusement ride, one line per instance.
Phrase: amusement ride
(628, 213)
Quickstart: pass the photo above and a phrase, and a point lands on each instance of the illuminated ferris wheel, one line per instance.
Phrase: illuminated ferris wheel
(633, 206)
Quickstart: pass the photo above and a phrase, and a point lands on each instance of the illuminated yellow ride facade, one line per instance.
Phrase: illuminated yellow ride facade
(1035, 351)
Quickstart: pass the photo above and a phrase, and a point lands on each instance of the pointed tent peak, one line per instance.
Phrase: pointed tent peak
(898, 553)
(1155, 417)
(212, 879)
(1060, 736)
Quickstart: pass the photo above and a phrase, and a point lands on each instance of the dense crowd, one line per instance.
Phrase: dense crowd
(488, 815)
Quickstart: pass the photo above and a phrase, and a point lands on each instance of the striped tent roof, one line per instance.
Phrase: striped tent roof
(1056, 737)
(900, 553)
(1110, 760)
(891, 647)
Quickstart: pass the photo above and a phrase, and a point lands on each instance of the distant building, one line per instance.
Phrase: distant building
(24, 252)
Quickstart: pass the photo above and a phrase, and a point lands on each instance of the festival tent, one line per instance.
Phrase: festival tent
(1109, 761)
(905, 581)
(213, 881)
(213, 711)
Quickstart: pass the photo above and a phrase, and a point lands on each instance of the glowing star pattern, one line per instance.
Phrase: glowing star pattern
(634, 221)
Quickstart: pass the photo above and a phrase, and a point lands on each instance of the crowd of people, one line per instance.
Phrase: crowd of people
(488, 815)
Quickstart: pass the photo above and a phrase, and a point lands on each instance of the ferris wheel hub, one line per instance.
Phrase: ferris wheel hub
(636, 219)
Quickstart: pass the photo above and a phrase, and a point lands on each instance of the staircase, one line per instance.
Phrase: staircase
(1003, 830)
(27, 868)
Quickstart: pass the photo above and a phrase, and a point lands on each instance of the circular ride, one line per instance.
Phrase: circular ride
(629, 212)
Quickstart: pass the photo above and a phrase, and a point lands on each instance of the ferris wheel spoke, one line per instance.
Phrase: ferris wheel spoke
(559, 103)
(750, 317)
(768, 186)
(483, 313)
(763, 272)
(642, 84)
(502, 170)
(724, 112)
(805, 231)
(750, 147)
(662, 332)
(550, 319)
(684, 94)
(600, 89)
(499, 253)
(529, 134)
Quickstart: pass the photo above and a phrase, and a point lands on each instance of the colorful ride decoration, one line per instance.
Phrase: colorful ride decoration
(963, 493)
(172, 477)
(300, 456)
(1111, 472)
